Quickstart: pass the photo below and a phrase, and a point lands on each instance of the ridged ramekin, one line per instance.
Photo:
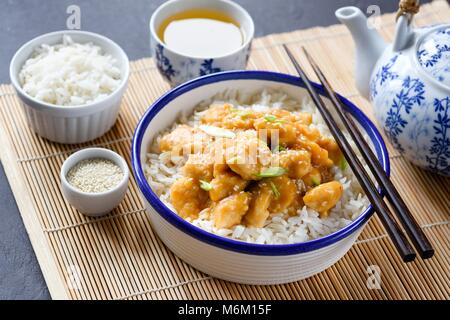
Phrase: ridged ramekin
(225, 258)
(71, 124)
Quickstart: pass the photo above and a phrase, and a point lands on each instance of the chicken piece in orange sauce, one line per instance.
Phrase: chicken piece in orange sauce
(188, 198)
(319, 155)
(270, 196)
(276, 129)
(248, 155)
(283, 115)
(323, 197)
(311, 134)
(329, 144)
(226, 116)
(199, 166)
(259, 207)
(313, 178)
(184, 140)
(241, 119)
(225, 184)
(257, 164)
(297, 204)
(229, 211)
(216, 113)
(304, 118)
(284, 193)
(296, 162)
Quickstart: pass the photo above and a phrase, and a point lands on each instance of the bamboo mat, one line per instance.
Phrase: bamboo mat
(119, 256)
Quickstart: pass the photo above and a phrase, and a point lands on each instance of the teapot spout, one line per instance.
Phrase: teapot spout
(369, 45)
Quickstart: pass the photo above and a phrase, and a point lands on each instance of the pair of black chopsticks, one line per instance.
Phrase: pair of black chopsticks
(399, 207)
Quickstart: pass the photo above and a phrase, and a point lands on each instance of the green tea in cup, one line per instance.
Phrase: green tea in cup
(201, 33)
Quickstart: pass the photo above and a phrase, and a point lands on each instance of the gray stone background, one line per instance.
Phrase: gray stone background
(126, 23)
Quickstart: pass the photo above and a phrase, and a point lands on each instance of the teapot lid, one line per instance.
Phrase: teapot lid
(434, 54)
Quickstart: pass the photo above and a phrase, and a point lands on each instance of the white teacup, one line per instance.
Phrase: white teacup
(177, 68)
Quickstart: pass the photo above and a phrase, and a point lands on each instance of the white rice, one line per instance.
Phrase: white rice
(162, 171)
(69, 73)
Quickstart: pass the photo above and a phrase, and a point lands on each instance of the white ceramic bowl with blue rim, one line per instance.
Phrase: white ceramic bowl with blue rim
(178, 68)
(222, 257)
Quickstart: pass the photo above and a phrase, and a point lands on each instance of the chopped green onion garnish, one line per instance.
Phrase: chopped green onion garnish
(343, 164)
(315, 181)
(270, 118)
(205, 185)
(233, 160)
(271, 172)
(275, 191)
(244, 113)
(279, 148)
(218, 132)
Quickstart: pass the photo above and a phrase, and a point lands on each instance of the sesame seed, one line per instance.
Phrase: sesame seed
(95, 175)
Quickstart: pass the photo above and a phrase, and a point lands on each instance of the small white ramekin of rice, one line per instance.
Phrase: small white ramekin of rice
(277, 258)
(71, 84)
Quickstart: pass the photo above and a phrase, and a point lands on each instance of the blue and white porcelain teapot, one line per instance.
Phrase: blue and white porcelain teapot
(408, 83)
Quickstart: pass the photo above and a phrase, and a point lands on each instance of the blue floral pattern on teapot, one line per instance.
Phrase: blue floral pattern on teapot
(414, 113)
(408, 84)
(434, 55)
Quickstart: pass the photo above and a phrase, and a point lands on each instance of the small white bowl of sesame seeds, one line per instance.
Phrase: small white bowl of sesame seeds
(94, 180)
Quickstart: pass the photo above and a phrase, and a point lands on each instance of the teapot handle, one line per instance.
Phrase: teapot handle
(407, 10)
